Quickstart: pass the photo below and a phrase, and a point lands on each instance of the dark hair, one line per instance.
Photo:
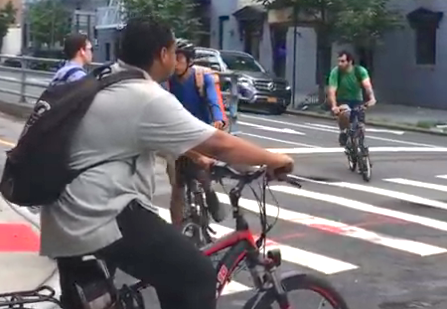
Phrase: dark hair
(348, 55)
(142, 40)
(74, 43)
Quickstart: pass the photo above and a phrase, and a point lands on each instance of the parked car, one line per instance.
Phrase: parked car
(258, 89)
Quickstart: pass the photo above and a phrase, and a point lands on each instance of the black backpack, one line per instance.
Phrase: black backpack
(36, 170)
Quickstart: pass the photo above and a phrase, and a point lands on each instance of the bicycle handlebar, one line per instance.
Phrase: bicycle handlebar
(221, 170)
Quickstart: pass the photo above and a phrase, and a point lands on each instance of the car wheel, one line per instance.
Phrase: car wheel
(278, 109)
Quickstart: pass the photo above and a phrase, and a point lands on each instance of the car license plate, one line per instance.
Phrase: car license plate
(272, 100)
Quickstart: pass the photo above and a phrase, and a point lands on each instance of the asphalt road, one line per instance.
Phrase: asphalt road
(383, 244)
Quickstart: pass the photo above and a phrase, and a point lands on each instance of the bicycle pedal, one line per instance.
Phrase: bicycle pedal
(211, 230)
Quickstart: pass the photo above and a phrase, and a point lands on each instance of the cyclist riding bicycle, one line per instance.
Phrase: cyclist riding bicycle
(347, 83)
(203, 103)
(107, 210)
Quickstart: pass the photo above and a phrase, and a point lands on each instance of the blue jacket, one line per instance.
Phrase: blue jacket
(186, 92)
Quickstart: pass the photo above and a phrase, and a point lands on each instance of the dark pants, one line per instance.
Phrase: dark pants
(154, 252)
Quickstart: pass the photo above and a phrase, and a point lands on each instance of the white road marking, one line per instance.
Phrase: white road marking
(339, 228)
(390, 193)
(371, 149)
(294, 255)
(272, 129)
(277, 140)
(334, 131)
(442, 176)
(360, 206)
(419, 184)
(367, 129)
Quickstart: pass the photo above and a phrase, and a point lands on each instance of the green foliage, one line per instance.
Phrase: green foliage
(49, 22)
(182, 15)
(7, 17)
(361, 22)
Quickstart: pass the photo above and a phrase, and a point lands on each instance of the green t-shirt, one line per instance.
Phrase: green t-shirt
(349, 87)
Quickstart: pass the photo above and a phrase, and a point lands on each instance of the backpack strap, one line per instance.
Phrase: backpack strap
(120, 76)
(357, 73)
(67, 75)
(200, 81)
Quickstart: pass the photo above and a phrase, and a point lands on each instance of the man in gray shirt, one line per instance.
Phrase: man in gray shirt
(107, 211)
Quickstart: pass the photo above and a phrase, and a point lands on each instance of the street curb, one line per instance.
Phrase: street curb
(19, 110)
(52, 280)
(394, 126)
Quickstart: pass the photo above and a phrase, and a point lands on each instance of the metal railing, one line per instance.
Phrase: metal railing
(23, 79)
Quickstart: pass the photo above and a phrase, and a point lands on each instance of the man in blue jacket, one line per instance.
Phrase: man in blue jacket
(199, 97)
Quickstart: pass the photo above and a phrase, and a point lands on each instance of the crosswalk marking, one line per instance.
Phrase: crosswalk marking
(296, 125)
(390, 193)
(294, 255)
(442, 176)
(339, 228)
(419, 184)
(322, 150)
(345, 202)
(290, 254)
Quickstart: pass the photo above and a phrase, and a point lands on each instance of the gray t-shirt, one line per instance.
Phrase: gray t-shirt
(126, 123)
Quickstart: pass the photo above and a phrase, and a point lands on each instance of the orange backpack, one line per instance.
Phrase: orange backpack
(200, 85)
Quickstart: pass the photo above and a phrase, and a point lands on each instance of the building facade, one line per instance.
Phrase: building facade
(409, 67)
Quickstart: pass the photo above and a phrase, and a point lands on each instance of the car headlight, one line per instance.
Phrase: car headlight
(245, 82)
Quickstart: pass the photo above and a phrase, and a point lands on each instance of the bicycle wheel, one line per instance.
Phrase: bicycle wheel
(196, 233)
(365, 168)
(352, 156)
(300, 282)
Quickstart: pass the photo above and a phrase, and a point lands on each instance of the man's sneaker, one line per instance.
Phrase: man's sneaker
(216, 209)
(343, 138)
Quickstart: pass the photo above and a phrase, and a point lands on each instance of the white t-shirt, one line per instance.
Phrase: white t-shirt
(126, 124)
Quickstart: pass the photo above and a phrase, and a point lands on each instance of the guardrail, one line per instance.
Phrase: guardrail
(23, 79)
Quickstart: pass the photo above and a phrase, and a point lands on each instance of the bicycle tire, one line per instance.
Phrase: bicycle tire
(366, 169)
(299, 282)
(200, 236)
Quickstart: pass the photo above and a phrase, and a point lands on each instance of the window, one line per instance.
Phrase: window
(425, 45)
(425, 23)
(222, 22)
(107, 51)
(241, 62)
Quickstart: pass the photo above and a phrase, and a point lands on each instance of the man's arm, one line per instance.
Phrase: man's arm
(367, 85)
(210, 90)
(332, 88)
(165, 126)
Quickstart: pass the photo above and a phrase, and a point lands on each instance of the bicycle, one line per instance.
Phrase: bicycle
(356, 151)
(237, 247)
(196, 216)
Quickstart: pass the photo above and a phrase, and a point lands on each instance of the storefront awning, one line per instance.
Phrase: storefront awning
(251, 12)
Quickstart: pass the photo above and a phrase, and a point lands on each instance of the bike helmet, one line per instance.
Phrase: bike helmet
(186, 47)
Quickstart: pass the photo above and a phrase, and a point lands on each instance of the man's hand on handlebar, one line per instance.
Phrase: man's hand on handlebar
(283, 166)
(335, 110)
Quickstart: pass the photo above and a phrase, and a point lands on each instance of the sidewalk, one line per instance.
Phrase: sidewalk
(393, 116)
(22, 267)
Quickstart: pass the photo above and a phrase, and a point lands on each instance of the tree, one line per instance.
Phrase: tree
(363, 25)
(49, 22)
(360, 22)
(7, 17)
(182, 15)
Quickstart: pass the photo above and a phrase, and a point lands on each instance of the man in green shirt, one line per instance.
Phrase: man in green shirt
(346, 85)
